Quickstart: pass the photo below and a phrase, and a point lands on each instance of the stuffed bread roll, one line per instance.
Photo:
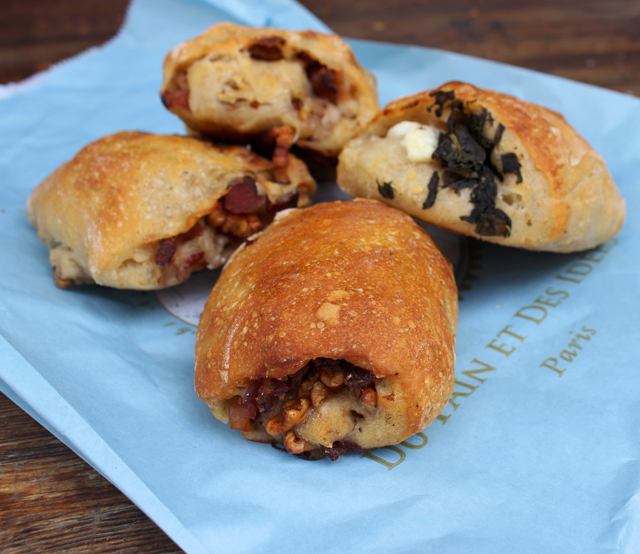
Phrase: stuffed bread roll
(271, 86)
(487, 165)
(332, 330)
(141, 211)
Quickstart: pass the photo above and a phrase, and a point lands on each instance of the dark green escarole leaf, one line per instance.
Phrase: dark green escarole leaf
(433, 191)
(385, 190)
(465, 152)
(489, 220)
(458, 182)
(510, 164)
(459, 150)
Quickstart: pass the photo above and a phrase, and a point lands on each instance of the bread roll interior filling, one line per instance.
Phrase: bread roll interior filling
(180, 256)
(315, 412)
(240, 213)
(272, 81)
(466, 159)
(67, 270)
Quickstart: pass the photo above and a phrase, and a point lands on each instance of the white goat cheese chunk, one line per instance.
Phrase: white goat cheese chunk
(420, 141)
(402, 128)
(421, 144)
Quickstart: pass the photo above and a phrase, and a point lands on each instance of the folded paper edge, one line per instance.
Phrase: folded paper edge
(32, 389)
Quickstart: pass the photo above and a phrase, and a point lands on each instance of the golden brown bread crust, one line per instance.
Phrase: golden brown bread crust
(110, 206)
(233, 83)
(566, 202)
(354, 281)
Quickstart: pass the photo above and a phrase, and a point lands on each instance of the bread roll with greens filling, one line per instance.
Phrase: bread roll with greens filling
(487, 165)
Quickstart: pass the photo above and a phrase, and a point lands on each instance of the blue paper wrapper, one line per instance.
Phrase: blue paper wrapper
(538, 449)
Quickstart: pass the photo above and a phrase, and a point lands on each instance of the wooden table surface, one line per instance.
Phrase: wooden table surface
(50, 500)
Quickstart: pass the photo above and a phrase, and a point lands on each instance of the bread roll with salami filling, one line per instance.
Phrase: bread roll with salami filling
(271, 87)
(331, 331)
(140, 211)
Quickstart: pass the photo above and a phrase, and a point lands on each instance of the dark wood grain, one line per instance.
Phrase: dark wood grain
(50, 500)
(35, 34)
(593, 41)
